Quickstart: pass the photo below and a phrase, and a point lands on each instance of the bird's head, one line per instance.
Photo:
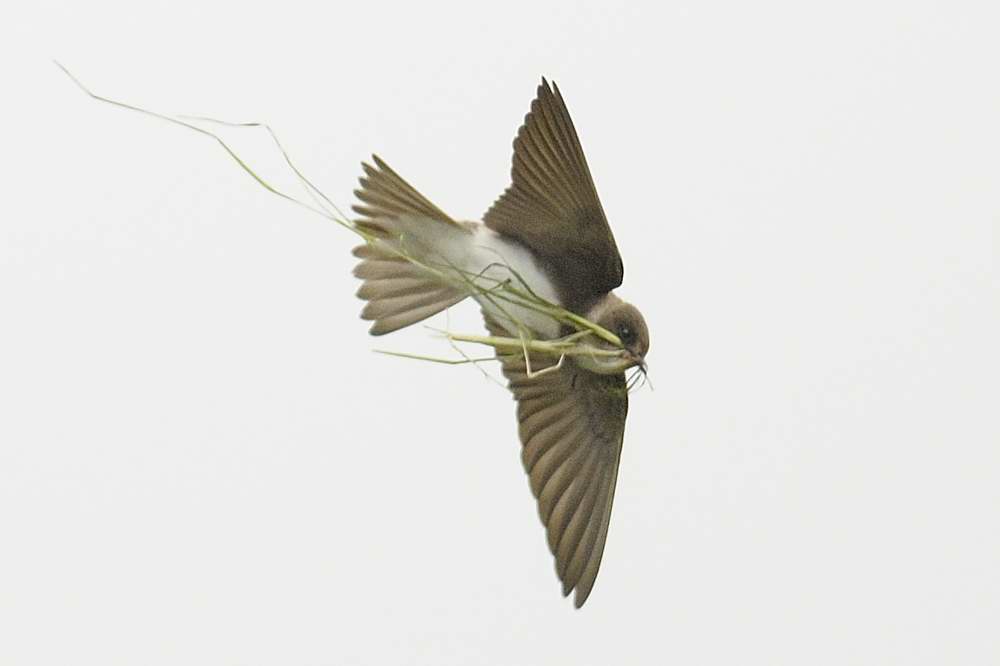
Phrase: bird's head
(624, 320)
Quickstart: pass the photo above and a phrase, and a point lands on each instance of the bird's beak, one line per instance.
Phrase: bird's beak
(639, 361)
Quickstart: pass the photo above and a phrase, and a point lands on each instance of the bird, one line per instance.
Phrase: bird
(548, 228)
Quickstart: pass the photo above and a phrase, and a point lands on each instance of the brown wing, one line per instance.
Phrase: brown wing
(571, 426)
(552, 206)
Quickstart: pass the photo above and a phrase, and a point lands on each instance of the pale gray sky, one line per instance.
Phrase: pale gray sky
(203, 462)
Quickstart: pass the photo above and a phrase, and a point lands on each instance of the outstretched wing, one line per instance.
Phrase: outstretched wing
(571, 426)
(552, 206)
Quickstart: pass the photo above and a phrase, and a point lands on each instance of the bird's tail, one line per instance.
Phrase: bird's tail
(399, 291)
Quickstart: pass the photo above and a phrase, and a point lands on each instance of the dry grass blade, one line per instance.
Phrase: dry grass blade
(512, 291)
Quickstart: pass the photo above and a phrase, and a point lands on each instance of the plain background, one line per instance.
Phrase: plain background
(203, 462)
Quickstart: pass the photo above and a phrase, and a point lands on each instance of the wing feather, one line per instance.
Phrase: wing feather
(559, 481)
(552, 207)
(568, 502)
(533, 448)
(550, 461)
(572, 422)
(590, 541)
(596, 553)
(577, 524)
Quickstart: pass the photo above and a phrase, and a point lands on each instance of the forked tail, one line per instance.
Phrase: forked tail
(399, 292)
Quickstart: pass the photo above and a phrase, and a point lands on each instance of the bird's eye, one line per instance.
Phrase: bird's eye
(626, 334)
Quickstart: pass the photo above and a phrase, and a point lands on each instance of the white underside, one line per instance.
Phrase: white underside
(487, 254)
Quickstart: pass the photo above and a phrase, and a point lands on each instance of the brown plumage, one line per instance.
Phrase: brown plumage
(552, 206)
(571, 425)
(571, 418)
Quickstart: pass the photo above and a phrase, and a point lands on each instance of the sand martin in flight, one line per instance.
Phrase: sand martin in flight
(548, 229)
